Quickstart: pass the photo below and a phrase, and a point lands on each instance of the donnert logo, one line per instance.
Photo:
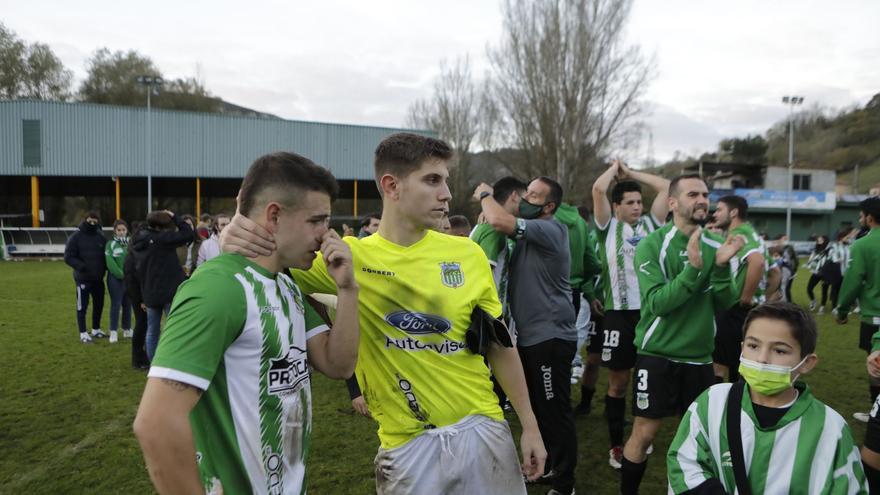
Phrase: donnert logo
(287, 373)
(415, 323)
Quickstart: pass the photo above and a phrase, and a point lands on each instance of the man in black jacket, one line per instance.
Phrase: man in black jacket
(158, 267)
(84, 253)
(133, 289)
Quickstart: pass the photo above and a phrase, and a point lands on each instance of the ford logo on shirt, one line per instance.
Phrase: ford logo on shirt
(418, 323)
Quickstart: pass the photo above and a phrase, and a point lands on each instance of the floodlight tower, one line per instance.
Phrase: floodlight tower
(152, 84)
(791, 101)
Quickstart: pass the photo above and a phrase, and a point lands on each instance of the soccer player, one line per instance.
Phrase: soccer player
(620, 227)
(749, 271)
(790, 442)
(441, 429)
(862, 282)
(684, 278)
(541, 308)
(227, 405)
(84, 252)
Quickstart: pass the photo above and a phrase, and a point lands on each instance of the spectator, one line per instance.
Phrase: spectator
(444, 227)
(835, 266)
(84, 253)
(114, 255)
(205, 222)
(188, 253)
(816, 264)
(159, 268)
(370, 224)
(459, 225)
(132, 283)
(540, 302)
(210, 248)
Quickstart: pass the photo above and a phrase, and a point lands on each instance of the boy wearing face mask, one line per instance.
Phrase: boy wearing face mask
(791, 442)
(84, 252)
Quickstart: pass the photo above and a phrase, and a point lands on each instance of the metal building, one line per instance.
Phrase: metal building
(55, 149)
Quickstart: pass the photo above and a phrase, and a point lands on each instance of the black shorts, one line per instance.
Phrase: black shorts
(618, 339)
(594, 339)
(729, 335)
(872, 434)
(866, 334)
(663, 388)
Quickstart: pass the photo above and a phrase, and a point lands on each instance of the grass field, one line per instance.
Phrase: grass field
(66, 409)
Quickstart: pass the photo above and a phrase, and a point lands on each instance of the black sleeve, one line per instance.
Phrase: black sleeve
(184, 234)
(711, 486)
(71, 253)
(354, 390)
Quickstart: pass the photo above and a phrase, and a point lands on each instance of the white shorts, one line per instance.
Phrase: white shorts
(475, 455)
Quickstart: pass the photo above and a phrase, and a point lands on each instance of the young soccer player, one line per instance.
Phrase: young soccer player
(790, 442)
(227, 405)
(620, 227)
(441, 429)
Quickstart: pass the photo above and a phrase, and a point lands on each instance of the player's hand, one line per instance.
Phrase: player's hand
(483, 187)
(360, 406)
(347, 231)
(533, 453)
(729, 249)
(337, 257)
(695, 256)
(244, 236)
(874, 364)
(622, 170)
(597, 307)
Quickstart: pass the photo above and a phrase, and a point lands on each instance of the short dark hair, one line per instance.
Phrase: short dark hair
(118, 222)
(93, 214)
(158, 220)
(801, 323)
(505, 186)
(403, 153)
(622, 187)
(737, 203)
(459, 221)
(871, 206)
(366, 220)
(673, 184)
(555, 191)
(289, 172)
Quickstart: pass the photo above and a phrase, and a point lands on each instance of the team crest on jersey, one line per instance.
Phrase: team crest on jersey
(634, 240)
(451, 274)
(642, 400)
(606, 354)
(287, 373)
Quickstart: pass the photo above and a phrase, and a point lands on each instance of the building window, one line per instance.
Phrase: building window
(801, 182)
(31, 144)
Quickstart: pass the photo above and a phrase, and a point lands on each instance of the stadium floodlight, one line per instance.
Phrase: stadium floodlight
(791, 101)
(152, 85)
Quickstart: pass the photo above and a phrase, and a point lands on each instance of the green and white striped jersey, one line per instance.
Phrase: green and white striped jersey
(809, 451)
(739, 263)
(497, 247)
(239, 333)
(617, 243)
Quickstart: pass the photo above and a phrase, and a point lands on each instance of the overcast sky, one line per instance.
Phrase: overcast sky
(721, 67)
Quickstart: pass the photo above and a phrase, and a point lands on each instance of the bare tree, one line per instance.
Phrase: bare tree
(454, 113)
(566, 85)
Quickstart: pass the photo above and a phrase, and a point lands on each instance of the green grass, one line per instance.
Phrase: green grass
(66, 409)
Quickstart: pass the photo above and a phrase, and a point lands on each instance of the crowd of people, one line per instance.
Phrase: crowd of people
(440, 327)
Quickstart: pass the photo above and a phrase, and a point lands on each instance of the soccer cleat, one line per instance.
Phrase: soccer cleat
(821, 310)
(615, 456)
(84, 338)
(127, 334)
(860, 416)
(98, 334)
(813, 305)
(114, 337)
(834, 311)
(576, 373)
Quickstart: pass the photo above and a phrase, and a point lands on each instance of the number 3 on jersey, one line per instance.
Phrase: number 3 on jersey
(612, 338)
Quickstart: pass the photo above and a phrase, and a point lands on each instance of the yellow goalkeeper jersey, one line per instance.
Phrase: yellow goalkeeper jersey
(414, 367)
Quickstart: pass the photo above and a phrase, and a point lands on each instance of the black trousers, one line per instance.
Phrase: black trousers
(84, 290)
(811, 285)
(547, 368)
(139, 336)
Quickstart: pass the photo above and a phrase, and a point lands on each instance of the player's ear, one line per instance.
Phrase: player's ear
(390, 186)
(272, 212)
(809, 363)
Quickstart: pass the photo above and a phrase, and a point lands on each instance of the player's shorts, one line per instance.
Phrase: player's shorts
(729, 335)
(663, 388)
(618, 339)
(872, 434)
(475, 455)
(594, 334)
(866, 334)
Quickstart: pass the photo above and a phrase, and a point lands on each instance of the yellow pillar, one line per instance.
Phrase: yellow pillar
(198, 199)
(118, 209)
(355, 198)
(35, 201)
